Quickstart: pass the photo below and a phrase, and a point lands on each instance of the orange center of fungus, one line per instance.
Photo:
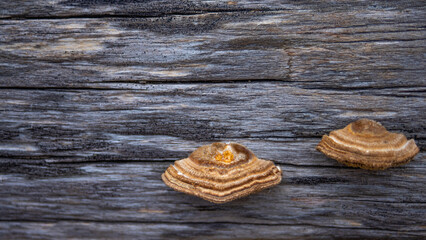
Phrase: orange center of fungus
(226, 157)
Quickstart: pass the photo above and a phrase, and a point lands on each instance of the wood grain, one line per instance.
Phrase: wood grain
(162, 123)
(309, 199)
(143, 8)
(329, 49)
(159, 231)
(97, 98)
(128, 8)
(167, 122)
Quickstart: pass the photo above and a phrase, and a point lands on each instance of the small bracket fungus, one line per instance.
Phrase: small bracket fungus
(367, 144)
(221, 172)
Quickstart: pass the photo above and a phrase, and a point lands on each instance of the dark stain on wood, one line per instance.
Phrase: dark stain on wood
(316, 180)
(257, 43)
(40, 170)
(188, 25)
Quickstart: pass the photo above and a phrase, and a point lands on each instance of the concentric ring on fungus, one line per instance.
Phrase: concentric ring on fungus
(221, 172)
(367, 144)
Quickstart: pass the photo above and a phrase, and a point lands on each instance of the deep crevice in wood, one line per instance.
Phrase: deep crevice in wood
(135, 16)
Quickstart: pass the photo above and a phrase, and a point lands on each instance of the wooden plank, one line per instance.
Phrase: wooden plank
(159, 231)
(343, 49)
(138, 8)
(98, 97)
(166, 122)
(333, 202)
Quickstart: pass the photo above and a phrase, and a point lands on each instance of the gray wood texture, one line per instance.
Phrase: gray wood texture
(98, 98)
(331, 48)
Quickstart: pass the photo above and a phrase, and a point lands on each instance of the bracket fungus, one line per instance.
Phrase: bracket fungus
(221, 172)
(367, 144)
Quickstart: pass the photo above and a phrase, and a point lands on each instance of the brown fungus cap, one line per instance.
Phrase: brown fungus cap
(367, 144)
(221, 173)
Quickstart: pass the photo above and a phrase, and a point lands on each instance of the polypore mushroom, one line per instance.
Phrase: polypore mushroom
(367, 144)
(221, 173)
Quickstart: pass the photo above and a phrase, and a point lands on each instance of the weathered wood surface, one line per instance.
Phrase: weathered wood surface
(147, 8)
(368, 47)
(98, 198)
(97, 98)
(166, 122)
